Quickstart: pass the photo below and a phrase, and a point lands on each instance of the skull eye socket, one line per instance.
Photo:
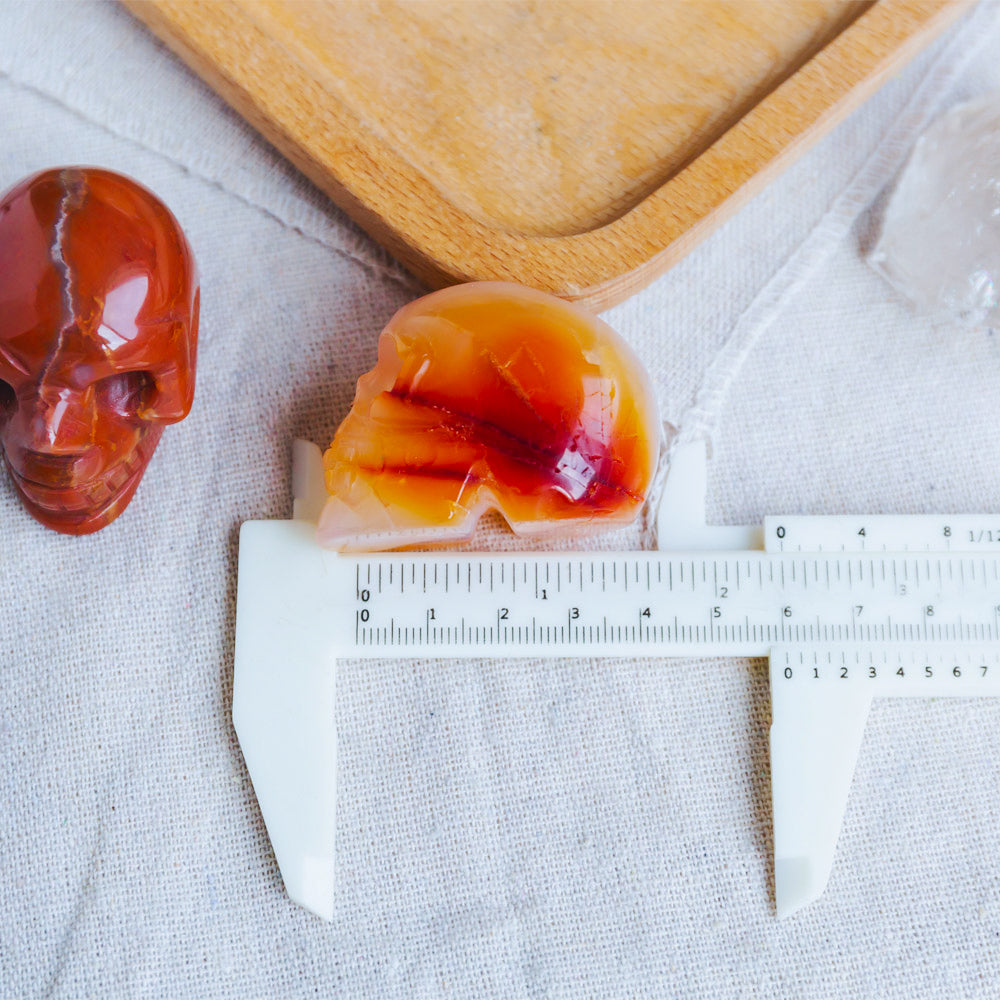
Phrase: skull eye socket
(127, 393)
(8, 401)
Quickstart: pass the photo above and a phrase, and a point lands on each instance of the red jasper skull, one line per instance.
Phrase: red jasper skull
(98, 329)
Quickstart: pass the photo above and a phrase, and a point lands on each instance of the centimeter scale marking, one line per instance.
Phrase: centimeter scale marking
(657, 604)
(846, 609)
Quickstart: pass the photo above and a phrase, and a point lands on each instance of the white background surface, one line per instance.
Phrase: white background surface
(508, 829)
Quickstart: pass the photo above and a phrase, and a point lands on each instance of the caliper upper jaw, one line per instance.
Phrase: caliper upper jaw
(680, 520)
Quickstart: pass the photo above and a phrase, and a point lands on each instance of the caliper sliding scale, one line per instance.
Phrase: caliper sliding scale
(845, 608)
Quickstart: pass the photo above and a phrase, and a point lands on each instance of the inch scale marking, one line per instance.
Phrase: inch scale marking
(657, 605)
(885, 533)
(846, 609)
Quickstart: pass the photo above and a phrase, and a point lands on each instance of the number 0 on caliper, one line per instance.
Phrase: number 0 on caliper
(846, 609)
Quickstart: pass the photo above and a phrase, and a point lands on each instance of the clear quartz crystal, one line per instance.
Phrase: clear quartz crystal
(940, 240)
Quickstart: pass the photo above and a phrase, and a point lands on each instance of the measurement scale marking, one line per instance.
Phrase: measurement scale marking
(726, 609)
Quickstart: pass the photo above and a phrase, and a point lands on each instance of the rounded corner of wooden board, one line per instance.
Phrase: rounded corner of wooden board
(441, 244)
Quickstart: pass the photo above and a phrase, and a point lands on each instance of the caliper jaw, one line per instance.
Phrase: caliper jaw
(284, 678)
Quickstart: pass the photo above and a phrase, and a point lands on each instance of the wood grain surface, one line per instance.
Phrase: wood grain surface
(577, 146)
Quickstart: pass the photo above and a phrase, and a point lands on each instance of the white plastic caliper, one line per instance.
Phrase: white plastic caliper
(846, 609)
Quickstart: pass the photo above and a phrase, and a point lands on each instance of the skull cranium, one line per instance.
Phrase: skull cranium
(98, 331)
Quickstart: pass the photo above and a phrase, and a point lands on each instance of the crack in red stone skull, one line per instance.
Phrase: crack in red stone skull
(98, 333)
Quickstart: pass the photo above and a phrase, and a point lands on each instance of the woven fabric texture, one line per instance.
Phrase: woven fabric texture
(559, 829)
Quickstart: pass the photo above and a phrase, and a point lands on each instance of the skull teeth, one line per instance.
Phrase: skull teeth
(84, 496)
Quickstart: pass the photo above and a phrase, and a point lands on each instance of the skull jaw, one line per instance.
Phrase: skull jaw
(72, 510)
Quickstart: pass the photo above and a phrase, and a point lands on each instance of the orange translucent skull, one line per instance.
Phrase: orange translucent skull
(98, 329)
(490, 395)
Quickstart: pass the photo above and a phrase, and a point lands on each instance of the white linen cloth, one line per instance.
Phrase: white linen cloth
(507, 829)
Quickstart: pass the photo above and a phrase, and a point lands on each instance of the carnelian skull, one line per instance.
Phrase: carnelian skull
(491, 396)
(98, 330)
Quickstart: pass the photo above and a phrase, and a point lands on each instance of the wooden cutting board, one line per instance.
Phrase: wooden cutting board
(578, 146)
